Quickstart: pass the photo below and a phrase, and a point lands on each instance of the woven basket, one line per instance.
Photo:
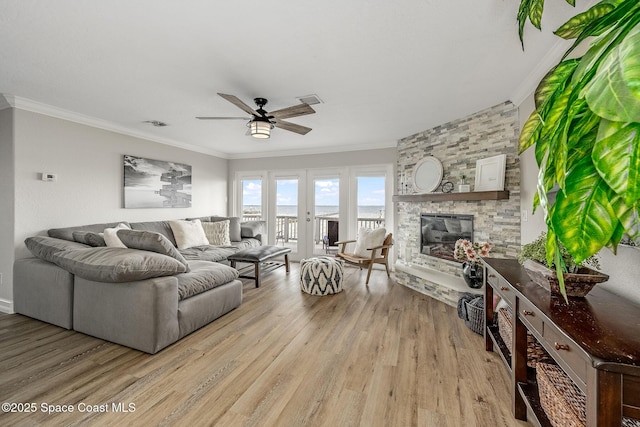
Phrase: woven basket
(475, 318)
(535, 352)
(562, 401)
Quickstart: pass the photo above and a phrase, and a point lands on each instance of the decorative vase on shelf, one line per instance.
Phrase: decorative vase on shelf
(472, 274)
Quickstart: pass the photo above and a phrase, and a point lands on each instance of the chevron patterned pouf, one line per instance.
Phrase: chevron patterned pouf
(321, 275)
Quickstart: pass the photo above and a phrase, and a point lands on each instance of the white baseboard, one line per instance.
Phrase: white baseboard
(6, 306)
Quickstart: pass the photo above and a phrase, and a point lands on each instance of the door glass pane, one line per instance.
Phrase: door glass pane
(327, 208)
(287, 213)
(371, 206)
(252, 199)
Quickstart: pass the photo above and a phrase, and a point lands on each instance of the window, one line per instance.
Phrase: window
(252, 200)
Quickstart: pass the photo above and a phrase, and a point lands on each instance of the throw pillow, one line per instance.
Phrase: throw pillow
(151, 241)
(45, 247)
(188, 233)
(235, 229)
(217, 233)
(89, 238)
(116, 265)
(111, 236)
(368, 238)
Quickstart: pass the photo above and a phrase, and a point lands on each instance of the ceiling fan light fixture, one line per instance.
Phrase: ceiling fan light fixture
(260, 128)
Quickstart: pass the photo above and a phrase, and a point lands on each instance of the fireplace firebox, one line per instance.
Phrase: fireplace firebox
(439, 233)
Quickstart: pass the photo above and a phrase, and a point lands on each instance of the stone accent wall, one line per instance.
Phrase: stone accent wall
(458, 144)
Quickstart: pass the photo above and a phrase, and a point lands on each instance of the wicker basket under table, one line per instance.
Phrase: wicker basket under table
(475, 318)
(562, 401)
(535, 352)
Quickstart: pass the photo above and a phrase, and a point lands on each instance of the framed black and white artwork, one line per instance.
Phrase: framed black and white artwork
(152, 183)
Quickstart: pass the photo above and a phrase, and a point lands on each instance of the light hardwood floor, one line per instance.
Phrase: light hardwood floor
(381, 355)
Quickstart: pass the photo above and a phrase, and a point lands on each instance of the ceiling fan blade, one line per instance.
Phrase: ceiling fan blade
(292, 127)
(224, 118)
(238, 103)
(293, 111)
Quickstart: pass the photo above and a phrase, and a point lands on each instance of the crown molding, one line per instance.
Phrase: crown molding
(531, 82)
(6, 101)
(60, 113)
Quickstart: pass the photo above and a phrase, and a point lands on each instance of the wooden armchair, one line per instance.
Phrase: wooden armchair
(379, 255)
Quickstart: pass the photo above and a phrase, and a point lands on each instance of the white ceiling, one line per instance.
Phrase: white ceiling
(385, 69)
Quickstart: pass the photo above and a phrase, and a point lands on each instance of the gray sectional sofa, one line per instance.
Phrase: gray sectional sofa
(145, 296)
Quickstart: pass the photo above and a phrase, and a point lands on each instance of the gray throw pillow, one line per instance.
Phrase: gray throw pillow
(151, 241)
(89, 238)
(44, 247)
(117, 265)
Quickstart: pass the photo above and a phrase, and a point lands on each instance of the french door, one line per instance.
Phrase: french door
(307, 210)
(302, 206)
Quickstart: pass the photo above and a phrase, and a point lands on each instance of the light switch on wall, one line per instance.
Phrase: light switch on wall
(49, 176)
(525, 215)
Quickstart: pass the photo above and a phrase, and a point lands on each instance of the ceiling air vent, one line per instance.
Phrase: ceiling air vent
(156, 123)
(310, 99)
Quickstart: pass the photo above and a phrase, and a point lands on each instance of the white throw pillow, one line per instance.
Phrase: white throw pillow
(188, 233)
(111, 236)
(217, 232)
(368, 238)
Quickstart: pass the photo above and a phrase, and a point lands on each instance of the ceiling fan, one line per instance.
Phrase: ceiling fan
(261, 122)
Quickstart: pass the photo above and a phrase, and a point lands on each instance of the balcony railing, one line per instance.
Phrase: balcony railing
(287, 226)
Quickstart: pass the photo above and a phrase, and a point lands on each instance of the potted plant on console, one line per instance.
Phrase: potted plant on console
(586, 131)
(470, 255)
(578, 279)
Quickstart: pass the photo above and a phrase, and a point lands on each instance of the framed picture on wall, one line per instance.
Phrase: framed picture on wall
(490, 173)
(152, 183)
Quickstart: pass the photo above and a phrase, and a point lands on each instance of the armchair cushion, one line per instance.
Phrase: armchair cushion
(367, 239)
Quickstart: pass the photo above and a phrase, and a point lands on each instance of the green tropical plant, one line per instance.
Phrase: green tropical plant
(537, 251)
(585, 130)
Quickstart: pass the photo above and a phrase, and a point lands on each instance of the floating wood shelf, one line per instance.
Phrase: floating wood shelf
(438, 197)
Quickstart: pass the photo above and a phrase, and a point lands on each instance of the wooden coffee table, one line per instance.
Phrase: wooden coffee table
(262, 258)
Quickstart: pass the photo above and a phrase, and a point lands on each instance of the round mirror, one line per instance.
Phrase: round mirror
(427, 175)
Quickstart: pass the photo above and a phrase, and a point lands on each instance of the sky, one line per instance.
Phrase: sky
(370, 192)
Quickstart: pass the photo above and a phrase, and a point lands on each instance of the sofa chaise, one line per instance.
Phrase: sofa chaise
(146, 294)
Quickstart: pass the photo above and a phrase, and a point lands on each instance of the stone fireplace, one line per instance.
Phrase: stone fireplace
(458, 144)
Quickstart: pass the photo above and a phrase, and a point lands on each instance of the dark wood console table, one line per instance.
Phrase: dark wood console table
(595, 340)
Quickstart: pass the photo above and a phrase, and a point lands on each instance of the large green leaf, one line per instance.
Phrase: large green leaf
(554, 82)
(554, 131)
(576, 25)
(523, 14)
(616, 156)
(583, 218)
(614, 92)
(620, 17)
(630, 219)
(581, 146)
(530, 132)
(535, 12)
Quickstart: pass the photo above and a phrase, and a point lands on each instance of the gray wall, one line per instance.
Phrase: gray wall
(6, 208)
(89, 189)
(326, 160)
